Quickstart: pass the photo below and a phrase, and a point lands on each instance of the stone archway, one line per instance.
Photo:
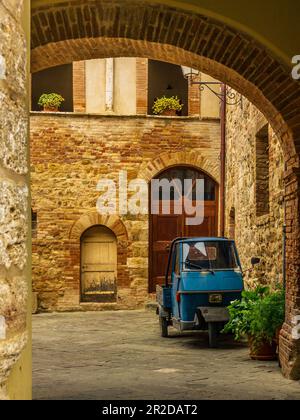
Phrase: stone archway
(71, 295)
(68, 31)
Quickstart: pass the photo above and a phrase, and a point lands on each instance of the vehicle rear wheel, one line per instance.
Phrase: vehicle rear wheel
(213, 334)
(163, 326)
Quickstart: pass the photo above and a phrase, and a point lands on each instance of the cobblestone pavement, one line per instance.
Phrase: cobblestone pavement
(120, 355)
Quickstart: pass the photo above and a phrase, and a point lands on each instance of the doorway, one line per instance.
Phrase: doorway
(164, 228)
(98, 265)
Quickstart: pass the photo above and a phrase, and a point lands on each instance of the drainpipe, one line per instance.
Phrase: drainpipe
(223, 160)
(283, 257)
(284, 248)
(109, 90)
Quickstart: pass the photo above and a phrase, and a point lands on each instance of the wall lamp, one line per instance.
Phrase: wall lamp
(228, 95)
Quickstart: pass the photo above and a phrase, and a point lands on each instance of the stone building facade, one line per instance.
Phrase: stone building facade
(255, 210)
(109, 131)
(70, 154)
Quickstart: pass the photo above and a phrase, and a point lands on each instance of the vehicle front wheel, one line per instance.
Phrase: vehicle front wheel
(213, 334)
(163, 326)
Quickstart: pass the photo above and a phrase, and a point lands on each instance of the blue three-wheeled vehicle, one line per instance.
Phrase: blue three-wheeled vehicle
(203, 277)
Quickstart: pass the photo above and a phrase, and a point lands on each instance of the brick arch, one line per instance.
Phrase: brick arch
(149, 170)
(70, 31)
(86, 221)
(63, 52)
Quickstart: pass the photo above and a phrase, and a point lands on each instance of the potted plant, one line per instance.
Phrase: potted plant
(167, 106)
(259, 316)
(51, 102)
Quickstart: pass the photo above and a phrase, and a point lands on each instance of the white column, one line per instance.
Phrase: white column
(109, 90)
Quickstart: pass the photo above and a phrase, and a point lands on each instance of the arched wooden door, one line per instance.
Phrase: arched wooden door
(98, 265)
(164, 228)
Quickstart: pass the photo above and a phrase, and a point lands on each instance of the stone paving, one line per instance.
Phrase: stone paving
(120, 355)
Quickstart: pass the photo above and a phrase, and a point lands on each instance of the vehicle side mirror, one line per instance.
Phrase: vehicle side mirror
(255, 261)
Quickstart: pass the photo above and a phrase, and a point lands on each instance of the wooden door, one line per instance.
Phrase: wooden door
(165, 228)
(98, 265)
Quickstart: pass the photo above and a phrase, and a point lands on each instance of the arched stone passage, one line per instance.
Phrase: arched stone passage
(69, 31)
(166, 160)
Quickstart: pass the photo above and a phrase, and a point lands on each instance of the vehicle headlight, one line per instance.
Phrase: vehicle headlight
(215, 298)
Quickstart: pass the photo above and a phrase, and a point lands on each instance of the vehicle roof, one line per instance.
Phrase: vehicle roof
(204, 239)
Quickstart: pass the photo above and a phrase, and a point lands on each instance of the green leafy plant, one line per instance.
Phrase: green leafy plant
(51, 100)
(164, 103)
(258, 315)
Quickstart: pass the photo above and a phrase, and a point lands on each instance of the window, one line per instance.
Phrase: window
(53, 80)
(177, 260)
(209, 255)
(34, 223)
(166, 79)
(262, 172)
(184, 173)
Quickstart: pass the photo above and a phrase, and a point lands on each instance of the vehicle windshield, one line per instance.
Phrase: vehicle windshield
(209, 255)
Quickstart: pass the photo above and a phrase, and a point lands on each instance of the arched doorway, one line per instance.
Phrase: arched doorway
(98, 265)
(166, 227)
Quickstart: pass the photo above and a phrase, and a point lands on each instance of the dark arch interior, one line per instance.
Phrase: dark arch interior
(185, 173)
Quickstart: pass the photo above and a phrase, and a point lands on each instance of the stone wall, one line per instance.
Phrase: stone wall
(13, 193)
(69, 154)
(251, 147)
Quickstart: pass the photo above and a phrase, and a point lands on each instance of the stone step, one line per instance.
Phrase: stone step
(151, 306)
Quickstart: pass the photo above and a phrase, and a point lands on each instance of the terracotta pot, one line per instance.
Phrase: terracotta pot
(47, 109)
(169, 113)
(263, 351)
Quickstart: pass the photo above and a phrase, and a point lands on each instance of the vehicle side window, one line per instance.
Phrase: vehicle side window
(177, 260)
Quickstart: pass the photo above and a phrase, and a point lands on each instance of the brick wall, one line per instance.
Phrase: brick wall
(141, 86)
(79, 94)
(175, 36)
(194, 98)
(69, 154)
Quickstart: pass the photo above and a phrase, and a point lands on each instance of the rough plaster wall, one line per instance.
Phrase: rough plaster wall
(260, 236)
(95, 86)
(13, 188)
